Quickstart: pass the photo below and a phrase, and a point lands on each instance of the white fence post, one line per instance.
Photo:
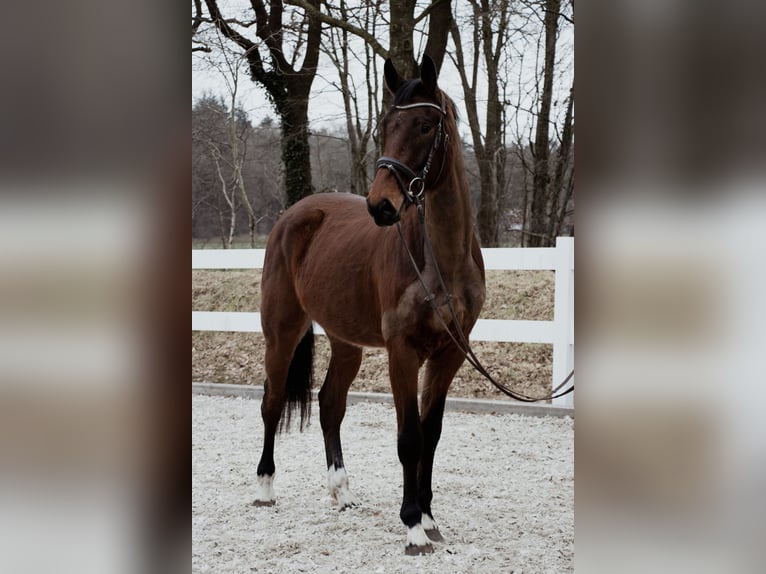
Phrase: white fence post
(563, 317)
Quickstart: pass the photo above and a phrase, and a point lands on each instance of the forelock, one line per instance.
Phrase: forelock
(409, 90)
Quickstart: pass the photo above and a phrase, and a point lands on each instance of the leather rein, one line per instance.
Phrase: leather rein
(414, 195)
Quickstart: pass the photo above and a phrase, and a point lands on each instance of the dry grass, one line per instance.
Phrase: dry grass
(237, 357)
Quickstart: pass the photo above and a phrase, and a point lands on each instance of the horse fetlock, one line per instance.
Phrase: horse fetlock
(410, 514)
(337, 481)
(264, 495)
(417, 542)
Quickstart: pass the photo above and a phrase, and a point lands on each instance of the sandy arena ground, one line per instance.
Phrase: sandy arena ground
(503, 495)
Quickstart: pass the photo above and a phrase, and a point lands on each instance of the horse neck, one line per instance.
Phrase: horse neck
(449, 217)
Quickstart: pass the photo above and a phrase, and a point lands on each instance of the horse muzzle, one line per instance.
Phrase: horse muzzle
(384, 213)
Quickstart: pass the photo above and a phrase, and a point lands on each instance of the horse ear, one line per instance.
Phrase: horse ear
(428, 74)
(393, 79)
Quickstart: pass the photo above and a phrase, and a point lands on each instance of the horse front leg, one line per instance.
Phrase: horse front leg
(403, 367)
(440, 370)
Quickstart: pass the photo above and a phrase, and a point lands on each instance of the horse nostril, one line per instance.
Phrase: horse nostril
(384, 213)
(387, 208)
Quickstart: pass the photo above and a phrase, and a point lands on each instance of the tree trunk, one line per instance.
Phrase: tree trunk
(400, 48)
(238, 160)
(537, 232)
(231, 201)
(296, 152)
(489, 150)
(561, 193)
(402, 30)
(492, 177)
(487, 215)
(359, 130)
(440, 18)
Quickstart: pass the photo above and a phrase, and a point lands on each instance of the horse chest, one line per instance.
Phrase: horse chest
(461, 306)
(416, 317)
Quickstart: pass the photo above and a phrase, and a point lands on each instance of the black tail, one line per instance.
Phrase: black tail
(300, 378)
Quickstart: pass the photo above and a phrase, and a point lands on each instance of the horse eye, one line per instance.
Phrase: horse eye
(425, 128)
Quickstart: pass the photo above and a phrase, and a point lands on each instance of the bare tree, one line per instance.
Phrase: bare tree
(209, 130)
(197, 19)
(360, 116)
(264, 174)
(488, 43)
(402, 30)
(562, 188)
(228, 65)
(549, 192)
(275, 67)
(489, 27)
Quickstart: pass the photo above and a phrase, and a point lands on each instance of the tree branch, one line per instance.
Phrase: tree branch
(428, 10)
(326, 19)
(313, 41)
(197, 20)
(226, 30)
(440, 12)
(264, 29)
(250, 47)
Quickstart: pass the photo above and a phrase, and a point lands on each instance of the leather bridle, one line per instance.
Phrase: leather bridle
(411, 182)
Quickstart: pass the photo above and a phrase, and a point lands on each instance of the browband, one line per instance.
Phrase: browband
(422, 105)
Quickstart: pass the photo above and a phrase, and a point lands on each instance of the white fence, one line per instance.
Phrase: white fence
(559, 332)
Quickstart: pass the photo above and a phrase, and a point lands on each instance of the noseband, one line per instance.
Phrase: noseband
(413, 192)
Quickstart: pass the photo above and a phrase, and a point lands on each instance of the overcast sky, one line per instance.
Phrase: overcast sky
(326, 106)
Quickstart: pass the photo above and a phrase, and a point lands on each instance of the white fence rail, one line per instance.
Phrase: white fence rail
(559, 332)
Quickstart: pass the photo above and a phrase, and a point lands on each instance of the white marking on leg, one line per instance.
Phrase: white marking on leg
(416, 536)
(428, 523)
(264, 492)
(337, 480)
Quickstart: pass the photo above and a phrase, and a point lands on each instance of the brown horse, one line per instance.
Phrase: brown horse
(341, 262)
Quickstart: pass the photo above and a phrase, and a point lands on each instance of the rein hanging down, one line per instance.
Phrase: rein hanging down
(460, 341)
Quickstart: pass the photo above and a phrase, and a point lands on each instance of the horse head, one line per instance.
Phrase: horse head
(413, 134)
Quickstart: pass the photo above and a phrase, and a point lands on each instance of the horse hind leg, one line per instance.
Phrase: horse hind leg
(344, 365)
(288, 335)
(289, 364)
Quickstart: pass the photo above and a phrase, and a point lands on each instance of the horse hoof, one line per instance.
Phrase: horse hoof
(413, 550)
(263, 503)
(435, 535)
(344, 501)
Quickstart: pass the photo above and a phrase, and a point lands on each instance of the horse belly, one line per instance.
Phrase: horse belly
(341, 302)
